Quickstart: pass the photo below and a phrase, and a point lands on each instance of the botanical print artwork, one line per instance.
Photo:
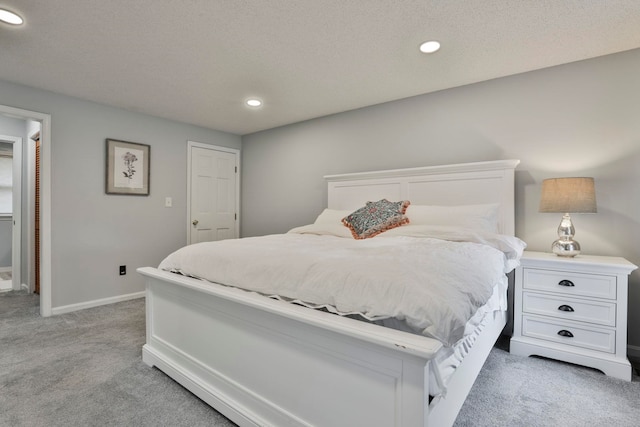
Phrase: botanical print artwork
(128, 168)
(129, 159)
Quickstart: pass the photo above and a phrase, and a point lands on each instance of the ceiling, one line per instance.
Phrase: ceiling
(197, 61)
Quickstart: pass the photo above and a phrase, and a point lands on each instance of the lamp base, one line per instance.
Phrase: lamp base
(565, 247)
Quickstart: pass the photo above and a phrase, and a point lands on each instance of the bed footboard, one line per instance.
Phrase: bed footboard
(262, 362)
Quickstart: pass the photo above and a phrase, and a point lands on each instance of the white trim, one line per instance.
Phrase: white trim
(96, 303)
(46, 284)
(236, 152)
(16, 247)
(46, 280)
(5, 269)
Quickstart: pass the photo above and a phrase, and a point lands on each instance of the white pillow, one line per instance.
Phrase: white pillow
(323, 229)
(331, 216)
(477, 217)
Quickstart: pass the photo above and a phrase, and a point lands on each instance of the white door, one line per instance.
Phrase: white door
(213, 193)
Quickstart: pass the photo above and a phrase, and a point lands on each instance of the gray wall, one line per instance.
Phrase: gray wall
(577, 119)
(93, 233)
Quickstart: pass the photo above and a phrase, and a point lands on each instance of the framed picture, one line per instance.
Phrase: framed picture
(128, 166)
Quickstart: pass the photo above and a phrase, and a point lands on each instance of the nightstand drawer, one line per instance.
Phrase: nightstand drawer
(569, 334)
(598, 312)
(570, 283)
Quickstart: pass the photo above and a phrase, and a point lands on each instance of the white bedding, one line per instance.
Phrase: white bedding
(434, 285)
(443, 366)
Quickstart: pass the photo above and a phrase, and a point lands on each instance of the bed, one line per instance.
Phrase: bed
(264, 361)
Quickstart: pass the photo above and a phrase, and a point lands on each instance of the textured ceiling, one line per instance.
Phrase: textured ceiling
(196, 61)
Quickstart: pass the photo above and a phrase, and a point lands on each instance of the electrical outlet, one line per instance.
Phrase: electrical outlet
(123, 270)
(168, 202)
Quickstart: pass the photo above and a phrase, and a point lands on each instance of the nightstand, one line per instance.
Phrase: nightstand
(573, 309)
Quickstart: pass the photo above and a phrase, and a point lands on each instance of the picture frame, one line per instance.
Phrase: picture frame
(128, 167)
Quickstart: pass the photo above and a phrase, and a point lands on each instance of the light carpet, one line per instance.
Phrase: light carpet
(85, 369)
(538, 392)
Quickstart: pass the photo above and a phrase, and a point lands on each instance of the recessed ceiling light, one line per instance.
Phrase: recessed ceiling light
(430, 46)
(10, 17)
(254, 102)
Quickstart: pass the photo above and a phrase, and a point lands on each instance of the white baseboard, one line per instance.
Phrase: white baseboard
(96, 303)
(633, 351)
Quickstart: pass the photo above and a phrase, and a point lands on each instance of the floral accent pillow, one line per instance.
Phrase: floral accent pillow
(376, 217)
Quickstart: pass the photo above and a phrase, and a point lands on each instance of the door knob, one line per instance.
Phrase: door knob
(195, 222)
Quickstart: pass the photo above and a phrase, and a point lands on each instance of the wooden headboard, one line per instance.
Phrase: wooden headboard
(446, 185)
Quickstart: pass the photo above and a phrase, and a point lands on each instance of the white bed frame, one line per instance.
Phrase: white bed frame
(263, 362)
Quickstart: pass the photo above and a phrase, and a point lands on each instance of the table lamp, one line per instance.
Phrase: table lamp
(567, 195)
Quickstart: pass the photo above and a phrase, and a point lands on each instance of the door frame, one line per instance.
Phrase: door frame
(190, 146)
(46, 286)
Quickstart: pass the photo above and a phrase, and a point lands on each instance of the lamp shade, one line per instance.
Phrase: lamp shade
(568, 195)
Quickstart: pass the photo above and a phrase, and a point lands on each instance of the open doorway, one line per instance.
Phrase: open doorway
(35, 126)
(11, 207)
(6, 210)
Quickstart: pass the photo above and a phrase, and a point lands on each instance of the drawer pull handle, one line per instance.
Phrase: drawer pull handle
(566, 308)
(566, 282)
(565, 333)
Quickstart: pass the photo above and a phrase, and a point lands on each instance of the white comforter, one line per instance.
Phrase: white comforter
(432, 284)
